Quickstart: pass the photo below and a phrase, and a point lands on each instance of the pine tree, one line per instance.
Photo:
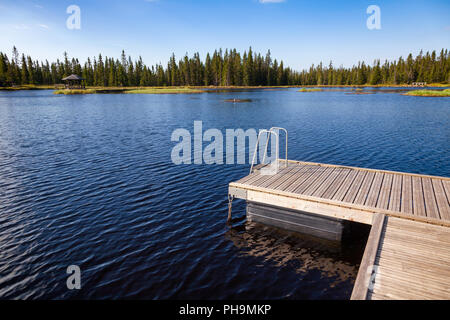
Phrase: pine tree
(130, 73)
(173, 72)
(375, 77)
(100, 79)
(32, 71)
(13, 73)
(222, 68)
(248, 68)
(24, 71)
(112, 74)
(2, 70)
(237, 69)
(208, 71)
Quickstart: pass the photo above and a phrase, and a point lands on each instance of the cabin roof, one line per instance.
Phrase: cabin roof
(73, 77)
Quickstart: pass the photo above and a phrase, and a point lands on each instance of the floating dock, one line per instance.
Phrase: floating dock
(404, 260)
(407, 254)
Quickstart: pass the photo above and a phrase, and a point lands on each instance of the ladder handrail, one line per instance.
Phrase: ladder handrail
(269, 132)
(267, 144)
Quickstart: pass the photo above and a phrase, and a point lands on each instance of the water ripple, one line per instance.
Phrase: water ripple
(92, 184)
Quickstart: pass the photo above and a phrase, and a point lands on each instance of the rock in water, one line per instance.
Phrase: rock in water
(238, 100)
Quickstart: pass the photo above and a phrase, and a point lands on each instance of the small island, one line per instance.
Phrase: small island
(429, 93)
(310, 90)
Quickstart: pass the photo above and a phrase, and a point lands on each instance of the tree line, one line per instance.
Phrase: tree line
(222, 68)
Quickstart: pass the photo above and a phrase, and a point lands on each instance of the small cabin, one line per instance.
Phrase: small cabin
(74, 82)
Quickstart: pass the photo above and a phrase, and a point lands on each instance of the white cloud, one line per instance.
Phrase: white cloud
(21, 26)
(44, 26)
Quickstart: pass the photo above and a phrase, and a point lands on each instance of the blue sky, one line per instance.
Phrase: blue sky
(298, 32)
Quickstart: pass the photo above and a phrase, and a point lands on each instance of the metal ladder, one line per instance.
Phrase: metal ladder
(269, 134)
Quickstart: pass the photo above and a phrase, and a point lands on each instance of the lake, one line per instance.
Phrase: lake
(88, 180)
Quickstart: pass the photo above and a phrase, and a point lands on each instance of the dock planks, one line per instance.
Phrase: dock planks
(408, 251)
(405, 260)
(417, 197)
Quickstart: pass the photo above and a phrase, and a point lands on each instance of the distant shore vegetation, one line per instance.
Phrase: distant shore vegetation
(221, 68)
(132, 90)
(429, 93)
(164, 90)
(309, 90)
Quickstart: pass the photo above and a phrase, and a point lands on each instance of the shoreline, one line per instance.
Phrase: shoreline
(147, 90)
(53, 87)
(419, 91)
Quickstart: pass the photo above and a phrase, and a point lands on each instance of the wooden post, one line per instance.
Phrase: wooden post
(230, 203)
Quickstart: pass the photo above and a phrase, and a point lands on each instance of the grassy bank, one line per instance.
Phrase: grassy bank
(166, 90)
(131, 90)
(28, 87)
(75, 91)
(404, 85)
(309, 90)
(429, 93)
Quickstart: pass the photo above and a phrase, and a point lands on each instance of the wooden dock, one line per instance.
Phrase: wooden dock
(404, 260)
(407, 255)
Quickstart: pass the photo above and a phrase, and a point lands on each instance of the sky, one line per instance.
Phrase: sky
(298, 32)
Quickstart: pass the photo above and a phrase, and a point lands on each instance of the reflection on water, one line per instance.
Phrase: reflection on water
(338, 262)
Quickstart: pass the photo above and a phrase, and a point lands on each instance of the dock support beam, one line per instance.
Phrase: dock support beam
(297, 221)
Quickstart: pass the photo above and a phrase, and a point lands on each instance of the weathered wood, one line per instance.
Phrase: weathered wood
(365, 187)
(407, 255)
(385, 192)
(430, 198)
(412, 262)
(354, 188)
(252, 178)
(364, 210)
(446, 184)
(368, 169)
(280, 176)
(331, 180)
(308, 176)
(425, 234)
(395, 290)
(374, 191)
(396, 193)
(293, 176)
(317, 176)
(237, 192)
(401, 240)
(365, 273)
(441, 198)
(418, 201)
(338, 192)
(308, 205)
(407, 198)
(318, 182)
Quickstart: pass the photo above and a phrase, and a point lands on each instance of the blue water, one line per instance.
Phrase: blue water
(88, 181)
